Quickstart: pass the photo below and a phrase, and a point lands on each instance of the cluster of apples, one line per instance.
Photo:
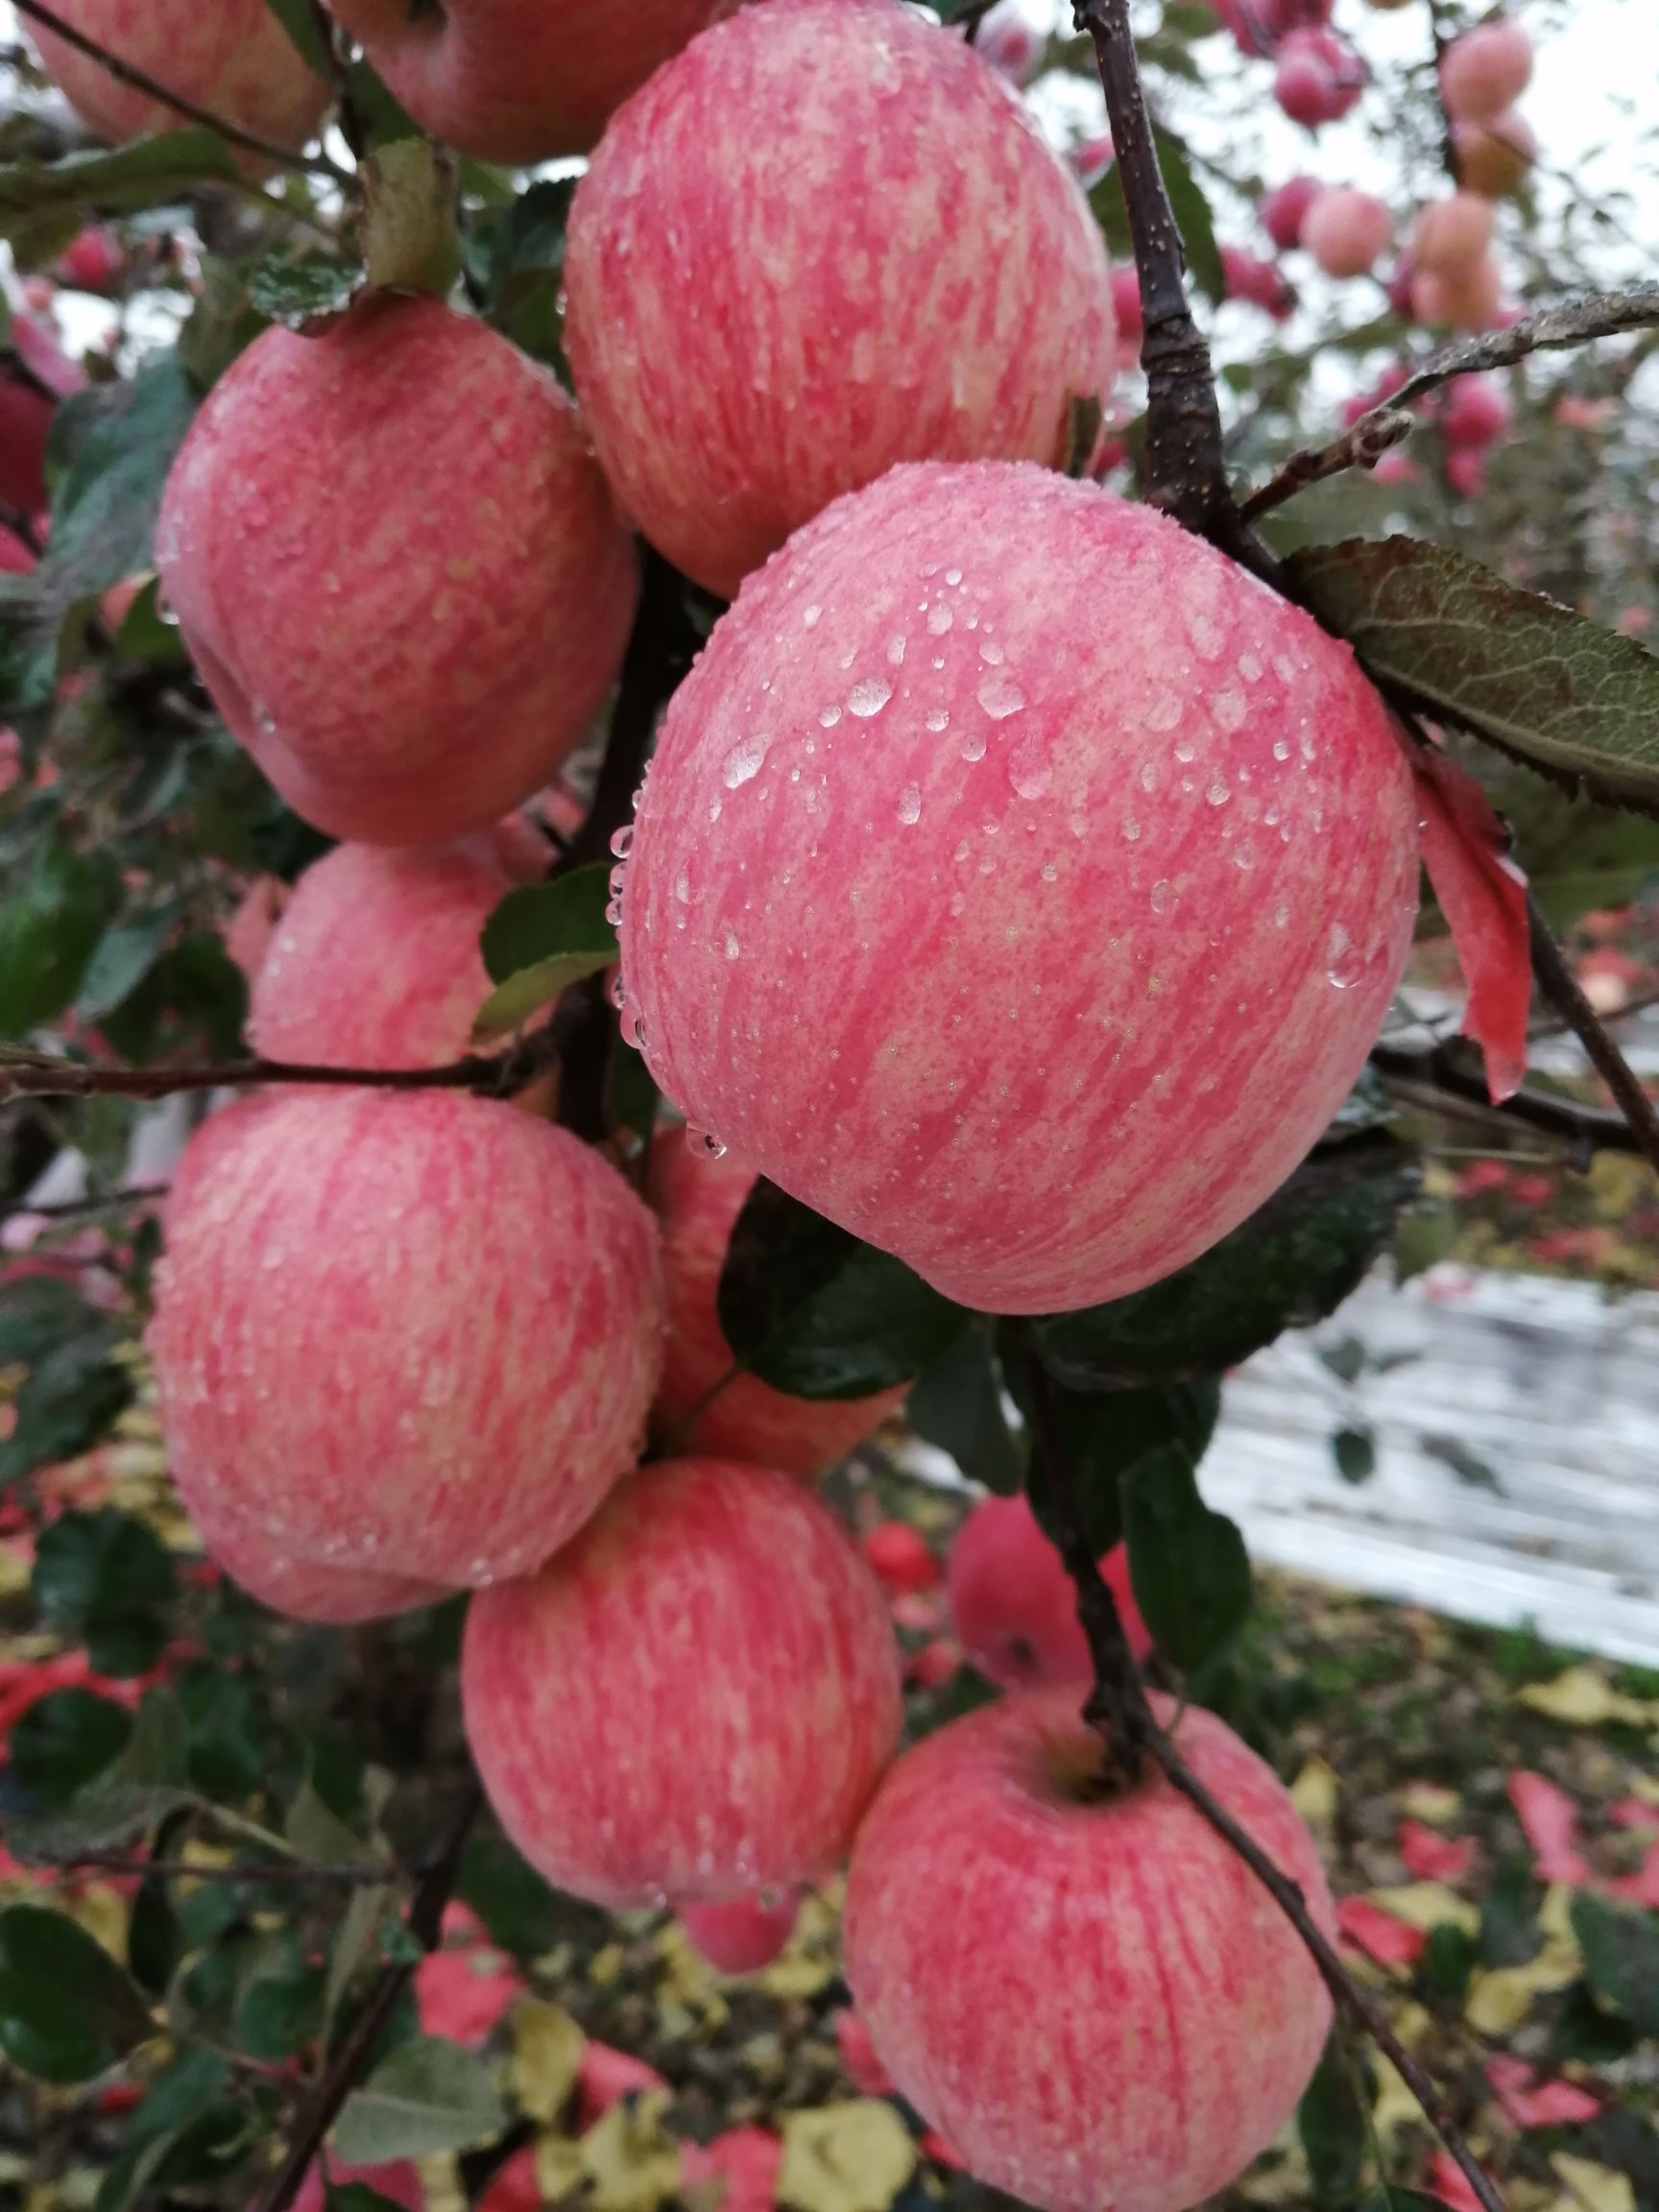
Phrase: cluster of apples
(1017, 881)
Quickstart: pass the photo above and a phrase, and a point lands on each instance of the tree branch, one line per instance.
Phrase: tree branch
(295, 1873)
(1361, 447)
(425, 1924)
(1552, 329)
(140, 81)
(1119, 1707)
(1448, 1069)
(1560, 988)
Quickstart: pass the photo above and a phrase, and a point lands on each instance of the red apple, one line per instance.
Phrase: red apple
(1494, 157)
(1347, 232)
(901, 1558)
(1285, 209)
(698, 1199)
(376, 963)
(1013, 1605)
(1471, 301)
(802, 298)
(1451, 236)
(521, 79)
(742, 1936)
(407, 1338)
(1036, 951)
(1486, 72)
(232, 58)
(408, 610)
(694, 1699)
(93, 261)
(1093, 1998)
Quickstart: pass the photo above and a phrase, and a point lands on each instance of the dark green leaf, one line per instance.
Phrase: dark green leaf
(957, 1405)
(1468, 1466)
(298, 19)
(103, 1576)
(1621, 1950)
(155, 1941)
(1449, 1958)
(518, 262)
(298, 290)
(72, 1391)
(357, 2196)
(144, 635)
(1102, 1434)
(1509, 1930)
(67, 2011)
(111, 450)
(523, 1914)
(1192, 217)
(1526, 674)
(1334, 2125)
(542, 938)
(355, 1938)
(1188, 1565)
(1344, 1357)
(319, 1833)
(120, 960)
(44, 204)
(280, 2013)
(193, 999)
(49, 925)
(1354, 1451)
(811, 1310)
(107, 1819)
(228, 1725)
(1289, 1264)
(175, 2101)
(429, 2097)
(64, 1740)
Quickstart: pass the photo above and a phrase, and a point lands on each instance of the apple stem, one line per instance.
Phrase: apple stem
(140, 79)
(1119, 1708)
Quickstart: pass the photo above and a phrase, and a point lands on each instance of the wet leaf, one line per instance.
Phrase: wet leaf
(428, 2097)
(540, 939)
(1188, 1565)
(957, 1405)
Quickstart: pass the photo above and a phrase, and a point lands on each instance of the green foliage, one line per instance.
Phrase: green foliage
(517, 260)
(72, 1389)
(49, 932)
(1104, 1436)
(1188, 1565)
(44, 204)
(540, 939)
(67, 2009)
(1335, 2126)
(957, 1405)
(429, 2095)
(1621, 1950)
(65, 1739)
(105, 1579)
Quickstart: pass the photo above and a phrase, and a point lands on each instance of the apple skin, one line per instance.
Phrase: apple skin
(743, 1936)
(1036, 951)
(233, 59)
(694, 1699)
(520, 80)
(1494, 157)
(1012, 1602)
(1451, 236)
(698, 1200)
(408, 623)
(1347, 232)
(1134, 2017)
(375, 961)
(403, 1336)
(800, 300)
(1485, 71)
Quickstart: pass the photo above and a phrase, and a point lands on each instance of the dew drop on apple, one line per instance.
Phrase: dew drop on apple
(938, 718)
(1163, 897)
(869, 697)
(909, 803)
(744, 760)
(1343, 964)
(999, 695)
(621, 840)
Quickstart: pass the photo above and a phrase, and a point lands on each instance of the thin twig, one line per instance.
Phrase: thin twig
(1119, 1707)
(1560, 988)
(322, 2107)
(1448, 1069)
(1361, 447)
(140, 81)
(80, 1209)
(293, 1872)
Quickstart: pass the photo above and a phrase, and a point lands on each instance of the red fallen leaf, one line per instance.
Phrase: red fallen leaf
(745, 2158)
(463, 1992)
(399, 2183)
(1549, 1822)
(1480, 1176)
(606, 2077)
(514, 2187)
(1550, 2104)
(864, 2070)
(1432, 1858)
(1634, 1812)
(1483, 895)
(24, 1680)
(1448, 2181)
(1378, 1934)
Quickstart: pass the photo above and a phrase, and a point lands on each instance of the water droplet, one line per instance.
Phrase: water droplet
(869, 697)
(952, 577)
(618, 880)
(1148, 775)
(811, 616)
(973, 745)
(1048, 872)
(732, 947)
(1001, 696)
(1131, 828)
(991, 652)
(1161, 896)
(938, 718)
(621, 840)
(962, 850)
(744, 760)
(896, 651)
(1030, 770)
(1244, 856)
(909, 803)
(830, 715)
(1228, 708)
(1219, 791)
(1280, 915)
(1185, 749)
(1280, 748)
(939, 618)
(1343, 964)
(704, 1143)
(619, 992)
(632, 1028)
(613, 913)
(683, 888)
(1164, 712)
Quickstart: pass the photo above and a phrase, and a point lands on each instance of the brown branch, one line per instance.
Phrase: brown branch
(322, 2107)
(1560, 988)
(294, 1872)
(1361, 447)
(1552, 329)
(81, 1209)
(140, 81)
(1184, 465)
(1449, 1070)
(1118, 1706)
(1448, 135)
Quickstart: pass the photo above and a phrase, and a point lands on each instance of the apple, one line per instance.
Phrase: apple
(901, 1559)
(1090, 1995)
(376, 963)
(1347, 232)
(1451, 237)
(801, 298)
(233, 59)
(408, 610)
(1036, 951)
(1283, 211)
(93, 261)
(693, 1700)
(1471, 301)
(1494, 157)
(698, 1199)
(1013, 1605)
(30, 389)
(408, 1337)
(1485, 71)
(742, 1936)
(520, 80)
(1475, 412)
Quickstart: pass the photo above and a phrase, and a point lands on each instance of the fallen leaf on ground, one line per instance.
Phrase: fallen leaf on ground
(851, 2157)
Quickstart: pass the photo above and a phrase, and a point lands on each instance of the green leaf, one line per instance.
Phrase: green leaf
(1521, 671)
(120, 960)
(1188, 1565)
(193, 997)
(103, 1577)
(356, 1937)
(1103, 1434)
(107, 1819)
(428, 2097)
(65, 1739)
(227, 1727)
(319, 1833)
(957, 1405)
(1192, 217)
(72, 1392)
(1335, 2127)
(521, 1912)
(280, 2013)
(44, 204)
(177, 2099)
(298, 19)
(542, 938)
(1354, 1451)
(49, 925)
(300, 290)
(517, 261)
(1289, 1264)
(1620, 1951)
(812, 1311)
(357, 2196)
(67, 2011)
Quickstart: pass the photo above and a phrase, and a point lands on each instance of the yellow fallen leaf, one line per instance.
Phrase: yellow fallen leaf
(104, 1914)
(1428, 1905)
(1279, 2178)
(559, 2168)
(548, 2048)
(1645, 1786)
(16, 1570)
(444, 2190)
(1592, 2188)
(1315, 1792)
(1556, 1920)
(628, 2162)
(1584, 1698)
(606, 1964)
(1499, 1998)
(1395, 2107)
(851, 2158)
